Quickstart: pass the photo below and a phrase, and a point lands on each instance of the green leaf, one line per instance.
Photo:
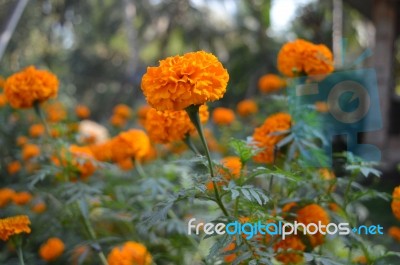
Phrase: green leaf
(241, 149)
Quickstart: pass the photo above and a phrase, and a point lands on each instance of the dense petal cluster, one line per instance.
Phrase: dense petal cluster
(301, 56)
(268, 135)
(223, 116)
(231, 167)
(287, 250)
(30, 151)
(36, 130)
(313, 214)
(51, 249)
(14, 225)
(169, 125)
(6, 195)
(30, 85)
(396, 202)
(270, 83)
(22, 198)
(128, 254)
(181, 81)
(246, 107)
(82, 111)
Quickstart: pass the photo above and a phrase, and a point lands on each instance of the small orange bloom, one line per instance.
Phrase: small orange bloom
(265, 138)
(123, 111)
(6, 196)
(13, 167)
(133, 144)
(82, 111)
(181, 81)
(52, 249)
(55, 112)
(394, 232)
(321, 106)
(30, 85)
(231, 169)
(287, 249)
(30, 151)
(39, 207)
(14, 225)
(396, 202)
(246, 107)
(83, 160)
(313, 214)
(36, 130)
(270, 83)
(22, 198)
(3, 100)
(102, 152)
(125, 164)
(129, 253)
(118, 121)
(223, 116)
(230, 257)
(22, 140)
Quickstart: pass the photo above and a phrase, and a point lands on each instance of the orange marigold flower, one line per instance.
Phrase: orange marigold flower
(334, 207)
(118, 121)
(30, 151)
(83, 160)
(14, 225)
(169, 125)
(30, 85)
(181, 81)
(122, 111)
(3, 100)
(133, 144)
(142, 113)
(13, 167)
(301, 56)
(321, 106)
(129, 253)
(82, 111)
(360, 260)
(39, 207)
(55, 112)
(51, 249)
(36, 130)
(394, 232)
(246, 107)
(22, 140)
(265, 136)
(102, 152)
(396, 202)
(22, 198)
(2, 82)
(233, 165)
(6, 196)
(223, 116)
(270, 83)
(125, 164)
(313, 214)
(230, 257)
(288, 250)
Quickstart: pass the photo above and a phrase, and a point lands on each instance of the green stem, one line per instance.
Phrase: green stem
(188, 141)
(92, 234)
(193, 113)
(20, 255)
(40, 114)
(139, 169)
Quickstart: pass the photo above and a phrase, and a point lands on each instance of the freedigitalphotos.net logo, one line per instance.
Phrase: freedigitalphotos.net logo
(280, 228)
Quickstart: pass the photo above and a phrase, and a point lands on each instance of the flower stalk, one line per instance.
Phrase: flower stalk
(193, 113)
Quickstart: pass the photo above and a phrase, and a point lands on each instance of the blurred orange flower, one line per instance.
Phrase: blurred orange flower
(301, 56)
(3, 100)
(181, 81)
(265, 139)
(133, 144)
(246, 107)
(321, 106)
(286, 248)
(22, 140)
(36, 130)
(313, 214)
(82, 111)
(230, 257)
(394, 232)
(231, 167)
(13, 167)
(270, 83)
(102, 151)
(6, 195)
(22, 198)
(83, 160)
(30, 85)
(51, 249)
(30, 151)
(129, 253)
(55, 112)
(39, 207)
(118, 121)
(123, 111)
(169, 125)
(396, 202)
(142, 113)
(223, 116)
(14, 225)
